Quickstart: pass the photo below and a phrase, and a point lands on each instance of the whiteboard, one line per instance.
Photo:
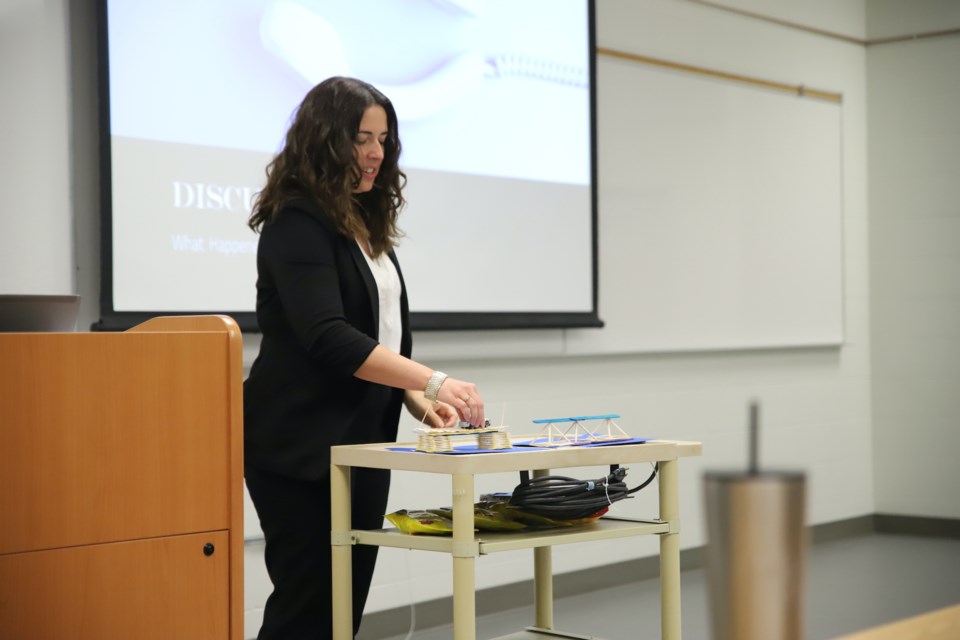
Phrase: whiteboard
(720, 213)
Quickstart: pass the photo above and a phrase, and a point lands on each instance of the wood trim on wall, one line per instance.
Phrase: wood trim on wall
(800, 90)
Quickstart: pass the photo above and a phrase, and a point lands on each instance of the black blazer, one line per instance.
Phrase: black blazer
(318, 311)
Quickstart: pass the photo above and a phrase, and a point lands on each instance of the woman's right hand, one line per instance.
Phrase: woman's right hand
(386, 367)
(465, 398)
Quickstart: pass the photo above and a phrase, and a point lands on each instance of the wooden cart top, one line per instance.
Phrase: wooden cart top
(404, 457)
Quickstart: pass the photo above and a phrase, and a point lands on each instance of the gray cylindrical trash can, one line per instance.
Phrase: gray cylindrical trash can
(756, 554)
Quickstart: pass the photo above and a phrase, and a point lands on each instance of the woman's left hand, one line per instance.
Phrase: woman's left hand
(437, 416)
(447, 415)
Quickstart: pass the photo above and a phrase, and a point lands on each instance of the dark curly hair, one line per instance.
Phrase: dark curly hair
(318, 162)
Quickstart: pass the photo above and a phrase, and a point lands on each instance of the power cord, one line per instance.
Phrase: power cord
(564, 498)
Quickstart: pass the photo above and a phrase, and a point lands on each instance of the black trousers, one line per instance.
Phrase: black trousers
(295, 519)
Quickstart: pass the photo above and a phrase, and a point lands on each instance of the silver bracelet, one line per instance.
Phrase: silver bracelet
(433, 385)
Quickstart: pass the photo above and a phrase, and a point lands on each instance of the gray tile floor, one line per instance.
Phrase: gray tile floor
(852, 584)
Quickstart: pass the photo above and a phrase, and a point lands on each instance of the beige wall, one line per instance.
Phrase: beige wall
(36, 218)
(914, 164)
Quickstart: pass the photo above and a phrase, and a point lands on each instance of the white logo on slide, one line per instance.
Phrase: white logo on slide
(212, 197)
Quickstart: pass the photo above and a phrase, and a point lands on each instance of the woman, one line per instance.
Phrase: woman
(334, 365)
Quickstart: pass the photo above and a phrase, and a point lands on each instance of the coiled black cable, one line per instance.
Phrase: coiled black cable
(564, 498)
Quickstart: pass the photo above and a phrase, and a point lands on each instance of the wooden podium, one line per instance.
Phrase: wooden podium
(121, 482)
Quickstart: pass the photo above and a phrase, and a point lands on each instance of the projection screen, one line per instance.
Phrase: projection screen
(495, 100)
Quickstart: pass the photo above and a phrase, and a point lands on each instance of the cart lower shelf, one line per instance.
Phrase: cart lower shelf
(605, 528)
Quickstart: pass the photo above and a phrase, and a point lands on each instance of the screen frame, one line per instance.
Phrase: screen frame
(113, 320)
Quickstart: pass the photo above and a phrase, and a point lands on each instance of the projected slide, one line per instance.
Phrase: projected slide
(494, 103)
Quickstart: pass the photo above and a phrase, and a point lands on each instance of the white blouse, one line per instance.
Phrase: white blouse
(388, 291)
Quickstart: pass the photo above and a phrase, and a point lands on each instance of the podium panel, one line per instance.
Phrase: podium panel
(147, 589)
(116, 449)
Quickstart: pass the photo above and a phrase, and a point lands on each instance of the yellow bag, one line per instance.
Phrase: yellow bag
(486, 518)
(530, 520)
(413, 522)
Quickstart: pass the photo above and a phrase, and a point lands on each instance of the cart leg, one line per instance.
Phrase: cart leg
(464, 558)
(669, 552)
(543, 577)
(341, 552)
